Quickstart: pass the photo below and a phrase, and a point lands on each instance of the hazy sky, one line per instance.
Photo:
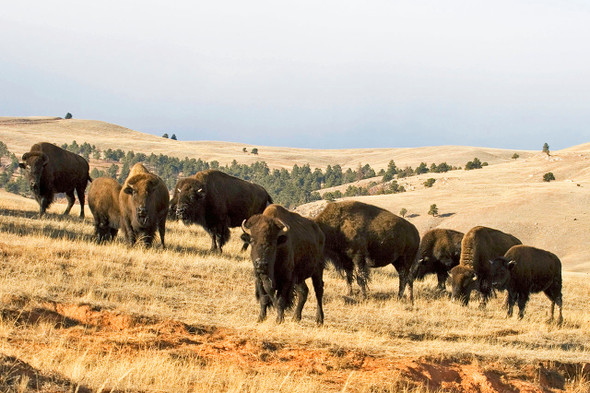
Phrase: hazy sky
(322, 74)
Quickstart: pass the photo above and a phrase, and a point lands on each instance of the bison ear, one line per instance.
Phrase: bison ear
(128, 190)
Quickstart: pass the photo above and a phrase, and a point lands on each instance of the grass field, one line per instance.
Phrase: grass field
(77, 316)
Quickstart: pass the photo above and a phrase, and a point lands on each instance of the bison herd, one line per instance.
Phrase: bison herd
(287, 248)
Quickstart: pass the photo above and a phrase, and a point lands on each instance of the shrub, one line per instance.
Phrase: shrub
(475, 164)
(429, 182)
(548, 177)
(515, 156)
(173, 137)
(165, 135)
(254, 151)
(433, 210)
(546, 148)
(68, 116)
(403, 212)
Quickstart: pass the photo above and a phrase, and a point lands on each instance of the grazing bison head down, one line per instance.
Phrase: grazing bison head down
(267, 236)
(34, 165)
(143, 204)
(500, 272)
(189, 198)
(463, 281)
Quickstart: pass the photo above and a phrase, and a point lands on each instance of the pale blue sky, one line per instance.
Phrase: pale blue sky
(323, 74)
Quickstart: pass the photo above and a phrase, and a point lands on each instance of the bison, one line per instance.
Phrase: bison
(103, 200)
(524, 270)
(478, 246)
(286, 249)
(50, 169)
(360, 236)
(217, 201)
(439, 252)
(143, 201)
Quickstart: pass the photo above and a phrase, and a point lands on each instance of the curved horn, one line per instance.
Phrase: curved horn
(246, 230)
(26, 155)
(45, 158)
(285, 226)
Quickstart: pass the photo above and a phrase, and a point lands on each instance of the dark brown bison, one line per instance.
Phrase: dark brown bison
(286, 249)
(524, 270)
(361, 236)
(103, 200)
(439, 252)
(143, 202)
(50, 169)
(217, 201)
(479, 245)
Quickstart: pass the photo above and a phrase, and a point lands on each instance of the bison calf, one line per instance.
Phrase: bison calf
(143, 201)
(524, 270)
(439, 252)
(286, 249)
(103, 200)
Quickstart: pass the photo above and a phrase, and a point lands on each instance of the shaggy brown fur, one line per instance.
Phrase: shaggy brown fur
(286, 249)
(143, 202)
(50, 169)
(103, 200)
(217, 202)
(524, 270)
(479, 246)
(439, 252)
(361, 236)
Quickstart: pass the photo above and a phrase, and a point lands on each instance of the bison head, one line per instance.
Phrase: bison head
(422, 267)
(189, 200)
(141, 189)
(267, 235)
(34, 165)
(463, 281)
(500, 272)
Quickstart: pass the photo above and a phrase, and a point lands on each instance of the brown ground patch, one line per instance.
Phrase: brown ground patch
(101, 329)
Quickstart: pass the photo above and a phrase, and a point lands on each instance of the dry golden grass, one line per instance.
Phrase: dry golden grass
(114, 318)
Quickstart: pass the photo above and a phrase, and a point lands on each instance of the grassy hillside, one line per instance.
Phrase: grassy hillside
(76, 316)
(20, 133)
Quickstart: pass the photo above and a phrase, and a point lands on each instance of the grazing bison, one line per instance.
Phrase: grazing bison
(524, 270)
(143, 202)
(50, 169)
(479, 245)
(360, 236)
(439, 252)
(217, 202)
(103, 200)
(286, 249)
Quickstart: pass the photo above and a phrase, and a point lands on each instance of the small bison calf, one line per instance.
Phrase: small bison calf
(103, 199)
(524, 270)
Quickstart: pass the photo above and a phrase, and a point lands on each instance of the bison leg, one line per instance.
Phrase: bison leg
(442, 279)
(263, 299)
(281, 303)
(113, 233)
(361, 272)
(554, 294)
(302, 292)
(80, 193)
(162, 230)
(318, 287)
(223, 237)
(511, 299)
(213, 242)
(44, 203)
(522, 300)
(71, 200)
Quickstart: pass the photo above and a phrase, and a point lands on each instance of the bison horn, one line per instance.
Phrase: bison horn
(246, 230)
(285, 226)
(45, 159)
(474, 278)
(26, 155)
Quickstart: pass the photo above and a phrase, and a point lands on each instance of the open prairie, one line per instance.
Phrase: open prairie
(80, 316)
(77, 316)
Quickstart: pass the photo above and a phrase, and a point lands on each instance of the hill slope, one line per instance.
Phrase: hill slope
(508, 194)
(20, 133)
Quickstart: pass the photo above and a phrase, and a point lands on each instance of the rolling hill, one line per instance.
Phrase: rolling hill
(508, 194)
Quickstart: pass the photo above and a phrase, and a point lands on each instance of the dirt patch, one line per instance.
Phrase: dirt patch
(205, 345)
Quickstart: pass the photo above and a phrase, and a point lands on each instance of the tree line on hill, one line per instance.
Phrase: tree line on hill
(289, 188)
